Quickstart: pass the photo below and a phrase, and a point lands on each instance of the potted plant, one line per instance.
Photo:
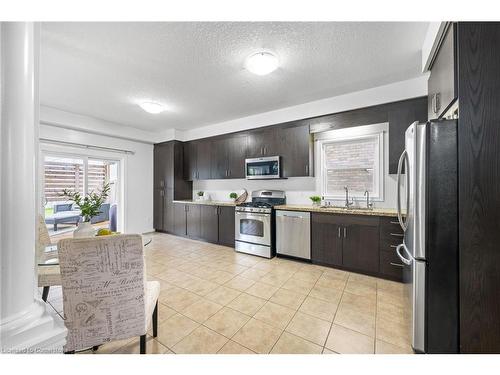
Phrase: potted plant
(90, 206)
(200, 195)
(233, 196)
(316, 200)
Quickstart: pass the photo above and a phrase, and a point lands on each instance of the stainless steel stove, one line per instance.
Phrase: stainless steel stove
(254, 223)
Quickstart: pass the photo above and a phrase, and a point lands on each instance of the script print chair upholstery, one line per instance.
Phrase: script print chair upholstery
(105, 293)
(47, 275)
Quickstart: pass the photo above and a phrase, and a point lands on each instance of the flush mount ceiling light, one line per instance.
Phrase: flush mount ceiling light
(152, 107)
(262, 63)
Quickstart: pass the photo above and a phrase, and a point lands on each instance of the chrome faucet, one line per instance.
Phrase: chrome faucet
(369, 205)
(347, 203)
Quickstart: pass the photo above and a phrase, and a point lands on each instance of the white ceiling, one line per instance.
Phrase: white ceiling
(197, 69)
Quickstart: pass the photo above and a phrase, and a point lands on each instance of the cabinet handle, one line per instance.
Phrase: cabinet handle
(345, 232)
(397, 234)
(307, 170)
(394, 222)
(339, 233)
(394, 246)
(397, 264)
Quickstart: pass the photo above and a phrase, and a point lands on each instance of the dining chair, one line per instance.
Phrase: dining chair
(47, 275)
(105, 293)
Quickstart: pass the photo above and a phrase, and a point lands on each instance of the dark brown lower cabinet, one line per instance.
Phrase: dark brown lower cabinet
(358, 243)
(326, 240)
(179, 227)
(209, 223)
(193, 220)
(209, 230)
(360, 250)
(226, 226)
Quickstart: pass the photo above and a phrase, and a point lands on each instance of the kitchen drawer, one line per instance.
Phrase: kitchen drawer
(391, 265)
(390, 232)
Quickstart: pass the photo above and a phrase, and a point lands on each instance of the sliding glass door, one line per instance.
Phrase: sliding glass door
(83, 174)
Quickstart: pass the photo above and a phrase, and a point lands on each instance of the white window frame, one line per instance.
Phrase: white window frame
(378, 173)
(85, 155)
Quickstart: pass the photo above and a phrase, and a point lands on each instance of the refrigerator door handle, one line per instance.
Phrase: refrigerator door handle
(402, 222)
(403, 259)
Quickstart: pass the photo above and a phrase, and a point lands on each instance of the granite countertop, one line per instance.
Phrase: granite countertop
(339, 210)
(207, 202)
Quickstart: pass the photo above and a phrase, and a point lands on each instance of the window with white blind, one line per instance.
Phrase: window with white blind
(353, 162)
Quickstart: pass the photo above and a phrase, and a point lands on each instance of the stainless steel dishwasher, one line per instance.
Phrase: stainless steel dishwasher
(293, 234)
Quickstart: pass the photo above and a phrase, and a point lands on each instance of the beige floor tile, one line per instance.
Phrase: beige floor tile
(357, 277)
(326, 294)
(328, 351)
(307, 275)
(335, 274)
(332, 283)
(291, 344)
(391, 286)
(361, 322)
(361, 289)
(247, 304)
(178, 298)
(391, 296)
(275, 278)
(298, 285)
(288, 298)
(276, 315)
(174, 329)
(309, 328)
(382, 347)
(152, 347)
(392, 312)
(223, 295)
(393, 332)
(200, 286)
(220, 277)
(360, 303)
(254, 274)
(232, 347)
(201, 341)
(261, 290)
(257, 336)
(201, 310)
(227, 321)
(164, 312)
(345, 341)
(239, 283)
(319, 308)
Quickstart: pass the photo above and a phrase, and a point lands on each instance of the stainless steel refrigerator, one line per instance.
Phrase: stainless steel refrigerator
(429, 217)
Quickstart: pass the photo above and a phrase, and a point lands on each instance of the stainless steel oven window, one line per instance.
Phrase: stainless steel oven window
(252, 227)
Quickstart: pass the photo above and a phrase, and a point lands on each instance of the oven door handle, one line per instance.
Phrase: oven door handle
(249, 214)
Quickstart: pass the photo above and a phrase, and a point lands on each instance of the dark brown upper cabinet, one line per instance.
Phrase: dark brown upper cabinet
(442, 87)
(263, 142)
(228, 157)
(190, 155)
(197, 156)
(296, 151)
(400, 116)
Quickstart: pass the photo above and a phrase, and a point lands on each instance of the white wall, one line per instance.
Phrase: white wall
(137, 170)
(299, 189)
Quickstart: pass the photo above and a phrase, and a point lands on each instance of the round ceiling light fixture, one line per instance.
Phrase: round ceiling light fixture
(262, 63)
(152, 107)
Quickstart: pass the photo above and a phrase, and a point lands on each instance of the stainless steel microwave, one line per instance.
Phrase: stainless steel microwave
(263, 168)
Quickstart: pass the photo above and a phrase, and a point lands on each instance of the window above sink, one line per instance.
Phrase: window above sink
(352, 160)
